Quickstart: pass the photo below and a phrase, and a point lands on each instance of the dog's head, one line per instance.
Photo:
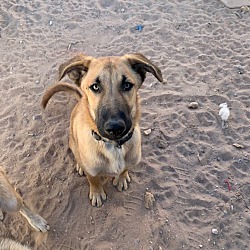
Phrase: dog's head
(110, 85)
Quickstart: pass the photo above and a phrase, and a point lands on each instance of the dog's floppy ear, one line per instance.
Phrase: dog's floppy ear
(142, 65)
(76, 68)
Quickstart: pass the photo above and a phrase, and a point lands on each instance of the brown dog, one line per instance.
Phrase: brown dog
(11, 201)
(104, 126)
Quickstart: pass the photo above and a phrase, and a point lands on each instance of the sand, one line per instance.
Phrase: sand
(188, 161)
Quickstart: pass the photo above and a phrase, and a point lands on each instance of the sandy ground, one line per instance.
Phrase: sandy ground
(203, 50)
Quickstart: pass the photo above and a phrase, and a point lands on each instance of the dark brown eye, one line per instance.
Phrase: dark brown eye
(95, 87)
(127, 86)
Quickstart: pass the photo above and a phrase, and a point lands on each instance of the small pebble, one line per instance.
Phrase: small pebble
(193, 105)
(215, 231)
(238, 234)
(161, 144)
(238, 145)
(149, 200)
(148, 131)
(50, 23)
(36, 117)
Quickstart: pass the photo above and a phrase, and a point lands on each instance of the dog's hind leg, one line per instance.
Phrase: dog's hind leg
(35, 220)
(74, 149)
(121, 181)
(96, 192)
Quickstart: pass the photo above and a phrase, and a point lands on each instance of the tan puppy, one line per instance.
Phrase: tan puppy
(104, 126)
(11, 201)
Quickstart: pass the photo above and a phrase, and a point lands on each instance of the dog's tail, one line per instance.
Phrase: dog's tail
(61, 86)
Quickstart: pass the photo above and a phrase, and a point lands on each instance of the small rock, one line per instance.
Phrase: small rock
(200, 246)
(149, 200)
(238, 145)
(161, 144)
(148, 131)
(240, 71)
(50, 23)
(36, 117)
(238, 234)
(193, 105)
(215, 231)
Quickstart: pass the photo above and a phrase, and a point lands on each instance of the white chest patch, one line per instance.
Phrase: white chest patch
(116, 158)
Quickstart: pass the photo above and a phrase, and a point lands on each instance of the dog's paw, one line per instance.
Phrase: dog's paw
(97, 197)
(121, 181)
(79, 170)
(39, 224)
(35, 220)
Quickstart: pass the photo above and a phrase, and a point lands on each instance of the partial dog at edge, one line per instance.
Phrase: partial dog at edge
(104, 135)
(11, 201)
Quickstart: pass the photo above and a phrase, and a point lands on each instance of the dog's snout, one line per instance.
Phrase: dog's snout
(114, 128)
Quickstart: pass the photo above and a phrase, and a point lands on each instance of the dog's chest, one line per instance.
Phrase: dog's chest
(110, 161)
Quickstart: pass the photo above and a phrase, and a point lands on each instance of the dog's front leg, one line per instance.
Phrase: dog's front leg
(121, 181)
(96, 192)
(35, 220)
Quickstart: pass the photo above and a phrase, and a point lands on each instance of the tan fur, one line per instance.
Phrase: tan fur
(8, 244)
(11, 201)
(62, 86)
(112, 76)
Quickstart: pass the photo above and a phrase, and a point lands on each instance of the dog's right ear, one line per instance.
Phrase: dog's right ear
(75, 68)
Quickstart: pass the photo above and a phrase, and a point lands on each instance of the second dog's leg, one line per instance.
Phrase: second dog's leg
(96, 192)
(35, 220)
(10, 200)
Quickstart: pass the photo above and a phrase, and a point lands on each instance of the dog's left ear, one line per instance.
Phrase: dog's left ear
(142, 65)
(76, 68)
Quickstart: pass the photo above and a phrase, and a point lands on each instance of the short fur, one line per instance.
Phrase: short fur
(110, 108)
(9, 244)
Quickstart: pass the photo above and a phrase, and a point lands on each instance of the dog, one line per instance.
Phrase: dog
(105, 135)
(11, 201)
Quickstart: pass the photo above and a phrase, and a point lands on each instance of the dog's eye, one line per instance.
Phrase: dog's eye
(95, 87)
(127, 86)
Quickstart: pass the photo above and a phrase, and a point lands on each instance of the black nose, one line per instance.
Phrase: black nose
(114, 128)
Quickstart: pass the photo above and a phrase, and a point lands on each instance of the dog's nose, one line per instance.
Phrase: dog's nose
(114, 128)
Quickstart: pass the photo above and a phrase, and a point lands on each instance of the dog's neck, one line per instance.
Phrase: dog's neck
(118, 143)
